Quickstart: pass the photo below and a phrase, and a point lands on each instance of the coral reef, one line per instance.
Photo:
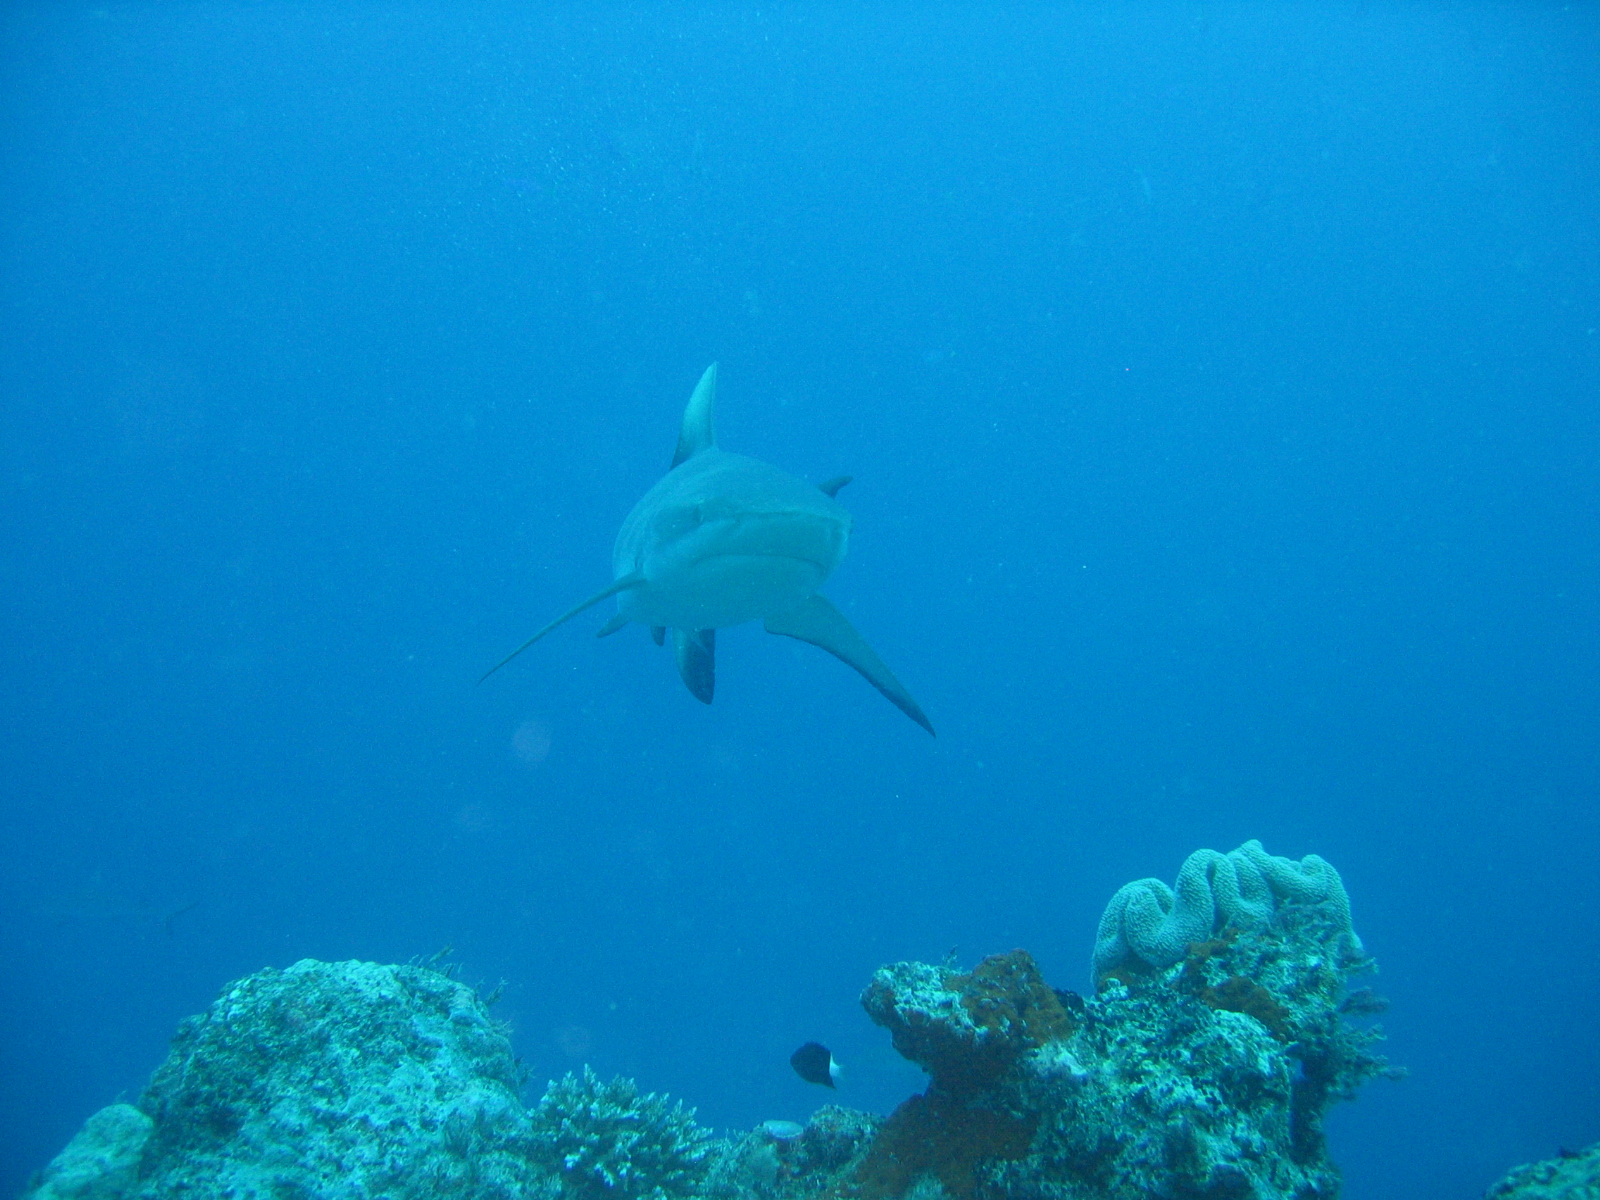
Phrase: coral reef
(1571, 1175)
(1212, 1078)
(349, 1081)
(1206, 1078)
(342, 1079)
(102, 1161)
(1149, 925)
(942, 1137)
(353, 1080)
(779, 1161)
(605, 1139)
(1236, 993)
(966, 1030)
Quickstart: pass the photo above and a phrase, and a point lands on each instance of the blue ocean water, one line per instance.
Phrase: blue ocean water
(1221, 386)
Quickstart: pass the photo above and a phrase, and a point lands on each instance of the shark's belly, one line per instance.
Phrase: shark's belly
(722, 590)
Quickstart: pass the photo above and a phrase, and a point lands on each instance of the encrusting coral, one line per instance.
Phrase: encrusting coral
(338, 1080)
(937, 1136)
(1150, 925)
(101, 1162)
(966, 1030)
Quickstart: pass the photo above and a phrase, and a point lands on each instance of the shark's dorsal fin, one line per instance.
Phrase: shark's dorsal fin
(636, 579)
(697, 661)
(699, 430)
(817, 621)
(832, 486)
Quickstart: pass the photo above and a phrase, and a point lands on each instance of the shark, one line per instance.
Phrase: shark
(723, 539)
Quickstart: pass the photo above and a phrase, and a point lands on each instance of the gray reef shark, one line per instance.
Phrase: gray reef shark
(723, 539)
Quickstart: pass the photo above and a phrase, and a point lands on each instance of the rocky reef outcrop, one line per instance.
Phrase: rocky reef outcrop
(967, 1030)
(353, 1081)
(1206, 1078)
(1571, 1175)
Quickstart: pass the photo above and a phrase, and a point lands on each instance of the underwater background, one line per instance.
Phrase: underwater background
(1221, 386)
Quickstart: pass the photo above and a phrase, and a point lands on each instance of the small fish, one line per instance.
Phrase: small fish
(813, 1063)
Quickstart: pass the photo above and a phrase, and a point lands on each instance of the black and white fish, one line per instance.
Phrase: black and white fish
(813, 1063)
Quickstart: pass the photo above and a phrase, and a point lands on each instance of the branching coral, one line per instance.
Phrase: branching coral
(605, 1139)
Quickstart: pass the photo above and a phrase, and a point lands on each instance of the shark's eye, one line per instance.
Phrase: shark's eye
(676, 522)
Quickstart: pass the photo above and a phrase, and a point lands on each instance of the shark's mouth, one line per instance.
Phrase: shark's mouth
(801, 536)
(718, 590)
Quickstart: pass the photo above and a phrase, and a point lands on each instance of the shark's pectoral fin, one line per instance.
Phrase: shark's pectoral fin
(832, 486)
(699, 430)
(611, 626)
(636, 579)
(659, 632)
(817, 621)
(697, 661)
